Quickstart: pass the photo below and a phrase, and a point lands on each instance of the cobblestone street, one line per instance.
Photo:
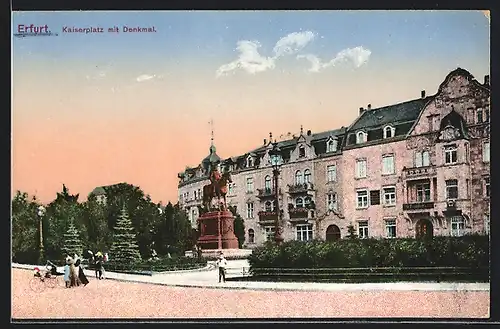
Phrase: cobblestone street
(117, 299)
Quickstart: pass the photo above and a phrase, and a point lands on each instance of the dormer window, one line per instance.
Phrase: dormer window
(249, 162)
(302, 151)
(360, 137)
(331, 145)
(389, 131)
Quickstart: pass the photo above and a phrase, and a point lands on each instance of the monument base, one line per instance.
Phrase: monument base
(217, 231)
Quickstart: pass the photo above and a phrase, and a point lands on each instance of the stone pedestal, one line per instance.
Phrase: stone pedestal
(217, 231)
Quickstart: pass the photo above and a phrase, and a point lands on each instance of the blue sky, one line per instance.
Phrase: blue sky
(213, 35)
(88, 110)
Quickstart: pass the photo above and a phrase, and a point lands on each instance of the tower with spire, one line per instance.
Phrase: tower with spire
(212, 160)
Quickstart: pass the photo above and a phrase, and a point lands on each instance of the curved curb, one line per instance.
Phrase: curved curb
(451, 287)
(207, 268)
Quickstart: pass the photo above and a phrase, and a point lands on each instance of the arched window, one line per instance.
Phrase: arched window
(251, 236)
(360, 137)
(307, 176)
(307, 201)
(268, 206)
(299, 179)
(299, 203)
(267, 183)
(389, 132)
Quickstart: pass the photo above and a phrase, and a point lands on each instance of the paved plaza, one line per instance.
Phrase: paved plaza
(192, 295)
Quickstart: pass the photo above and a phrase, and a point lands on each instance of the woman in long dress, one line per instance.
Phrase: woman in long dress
(81, 275)
(73, 274)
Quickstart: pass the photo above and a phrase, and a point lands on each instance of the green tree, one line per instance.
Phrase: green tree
(64, 210)
(124, 249)
(95, 221)
(72, 242)
(173, 231)
(25, 229)
(239, 226)
(143, 212)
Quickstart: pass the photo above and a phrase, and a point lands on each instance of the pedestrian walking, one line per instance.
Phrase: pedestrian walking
(81, 275)
(98, 268)
(67, 272)
(222, 264)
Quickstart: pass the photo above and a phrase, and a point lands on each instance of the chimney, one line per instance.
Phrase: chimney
(361, 110)
(487, 80)
(422, 94)
(265, 141)
(369, 107)
(308, 133)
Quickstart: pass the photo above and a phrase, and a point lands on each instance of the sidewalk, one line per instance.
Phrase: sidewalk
(208, 278)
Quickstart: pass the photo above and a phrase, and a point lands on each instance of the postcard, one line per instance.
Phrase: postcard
(250, 165)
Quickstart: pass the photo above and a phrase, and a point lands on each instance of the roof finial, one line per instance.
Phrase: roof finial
(211, 122)
(270, 136)
(301, 130)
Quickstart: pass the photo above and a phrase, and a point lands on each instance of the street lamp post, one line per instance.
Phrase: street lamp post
(275, 162)
(41, 212)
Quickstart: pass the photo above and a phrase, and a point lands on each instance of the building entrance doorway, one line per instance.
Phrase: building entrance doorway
(332, 233)
(424, 228)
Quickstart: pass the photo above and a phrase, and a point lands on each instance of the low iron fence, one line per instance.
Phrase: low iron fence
(373, 274)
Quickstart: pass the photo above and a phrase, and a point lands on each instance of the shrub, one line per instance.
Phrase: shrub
(157, 265)
(468, 251)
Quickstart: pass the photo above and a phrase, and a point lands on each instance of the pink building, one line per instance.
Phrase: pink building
(404, 170)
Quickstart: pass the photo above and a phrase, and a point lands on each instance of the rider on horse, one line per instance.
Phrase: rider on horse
(215, 176)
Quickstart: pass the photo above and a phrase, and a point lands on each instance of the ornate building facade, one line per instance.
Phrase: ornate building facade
(416, 168)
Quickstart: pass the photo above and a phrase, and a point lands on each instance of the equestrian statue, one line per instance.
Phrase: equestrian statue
(217, 188)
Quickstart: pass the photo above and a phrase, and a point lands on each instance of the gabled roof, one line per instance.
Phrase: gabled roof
(393, 114)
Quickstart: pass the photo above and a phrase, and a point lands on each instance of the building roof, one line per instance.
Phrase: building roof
(212, 157)
(402, 112)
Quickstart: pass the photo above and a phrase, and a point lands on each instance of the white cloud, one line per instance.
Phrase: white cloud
(357, 56)
(145, 77)
(251, 61)
(293, 43)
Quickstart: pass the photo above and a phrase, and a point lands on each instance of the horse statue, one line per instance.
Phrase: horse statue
(218, 188)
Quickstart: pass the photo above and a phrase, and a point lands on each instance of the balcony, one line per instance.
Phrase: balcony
(266, 217)
(298, 213)
(418, 206)
(267, 193)
(300, 188)
(193, 201)
(419, 172)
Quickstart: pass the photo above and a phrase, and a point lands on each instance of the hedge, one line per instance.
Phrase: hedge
(469, 251)
(159, 265)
